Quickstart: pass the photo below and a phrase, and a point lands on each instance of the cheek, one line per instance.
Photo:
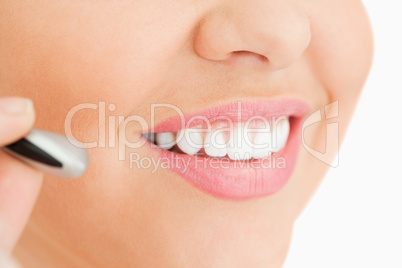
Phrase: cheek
(341, 48)
(340, 53)
(61, 57)
(340, 56)
(90, 53)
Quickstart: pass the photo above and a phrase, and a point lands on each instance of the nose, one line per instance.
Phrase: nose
(275, 32)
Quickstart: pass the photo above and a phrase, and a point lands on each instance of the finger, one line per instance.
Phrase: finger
(16, 118)
(19, 188)
(7, 261)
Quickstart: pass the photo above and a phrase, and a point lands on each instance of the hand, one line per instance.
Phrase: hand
(19, 183)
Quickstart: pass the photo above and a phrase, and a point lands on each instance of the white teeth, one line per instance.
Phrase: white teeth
(280, 135)
(165, 140)
(189, 140)
(215, 144)
(262, 142)
(239, 144)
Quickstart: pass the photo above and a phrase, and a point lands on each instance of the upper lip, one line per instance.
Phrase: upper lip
(237, 111)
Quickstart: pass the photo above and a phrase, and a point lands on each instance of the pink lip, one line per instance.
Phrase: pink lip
(237, 180)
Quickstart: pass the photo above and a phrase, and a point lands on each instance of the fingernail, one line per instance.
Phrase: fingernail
(14, 105)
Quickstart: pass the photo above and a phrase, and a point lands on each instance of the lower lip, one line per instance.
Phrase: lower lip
(237, 180)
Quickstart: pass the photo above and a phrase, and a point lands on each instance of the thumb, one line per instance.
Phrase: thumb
(19, 183)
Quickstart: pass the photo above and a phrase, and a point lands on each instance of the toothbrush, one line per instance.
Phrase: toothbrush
(51, 153)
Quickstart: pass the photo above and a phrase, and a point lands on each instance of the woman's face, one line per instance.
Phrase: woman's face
(193, 55)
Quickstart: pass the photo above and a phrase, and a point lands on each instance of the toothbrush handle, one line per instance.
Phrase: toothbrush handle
(50, 152)
(29, 150)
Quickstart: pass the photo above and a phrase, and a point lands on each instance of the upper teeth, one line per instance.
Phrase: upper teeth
(239, 147)
(165, 140)
(215, 144)
(190, 140)
(238, 143)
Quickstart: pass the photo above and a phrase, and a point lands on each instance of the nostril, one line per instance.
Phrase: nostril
(247, 59)
(245, 53)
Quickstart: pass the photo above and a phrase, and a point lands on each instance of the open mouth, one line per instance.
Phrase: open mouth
(236, 151)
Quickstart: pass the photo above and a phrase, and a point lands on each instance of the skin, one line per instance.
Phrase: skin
(192, 54)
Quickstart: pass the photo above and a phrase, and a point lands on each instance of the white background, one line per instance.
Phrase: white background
(355, 218)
